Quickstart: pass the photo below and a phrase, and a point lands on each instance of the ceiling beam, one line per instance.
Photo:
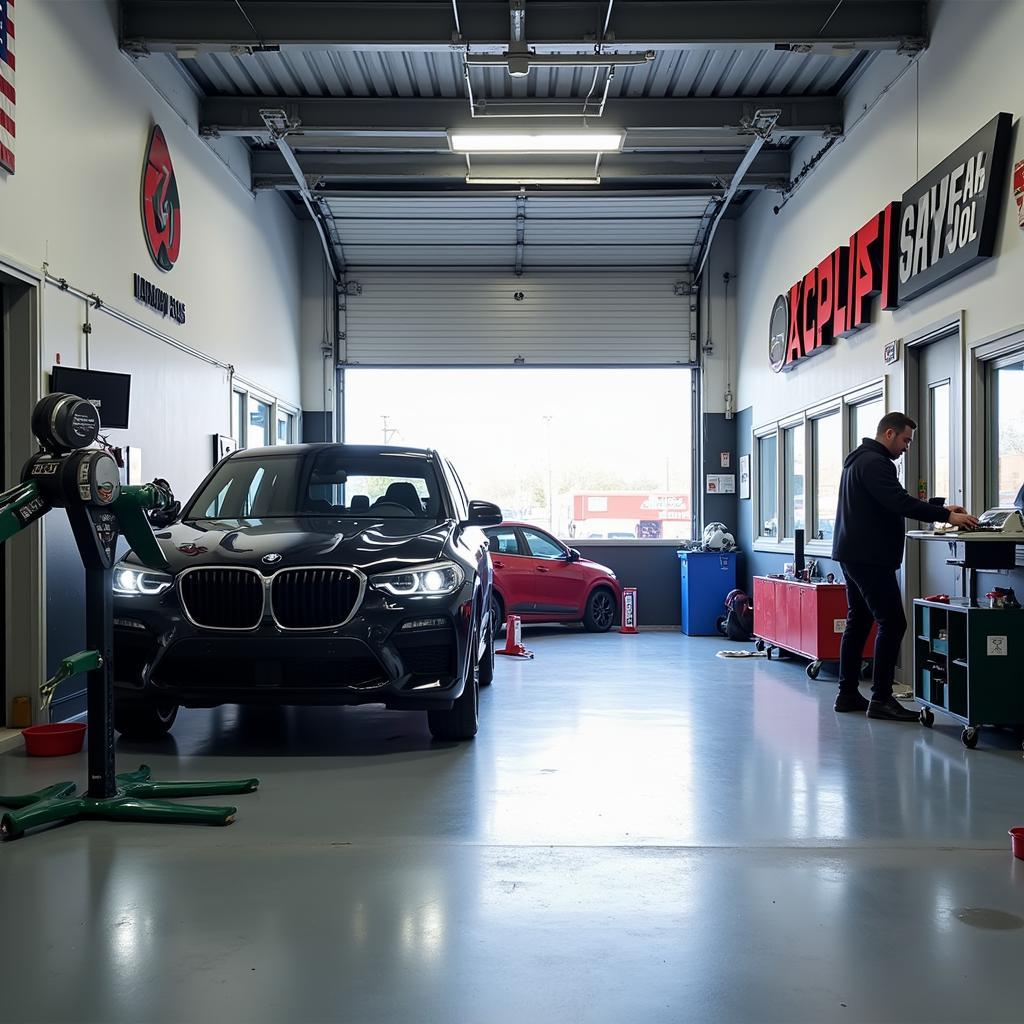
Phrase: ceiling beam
(770, 169)
(196, 26)
(240, 115)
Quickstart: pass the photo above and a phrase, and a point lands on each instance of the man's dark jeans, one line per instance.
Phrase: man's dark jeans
(874, 596)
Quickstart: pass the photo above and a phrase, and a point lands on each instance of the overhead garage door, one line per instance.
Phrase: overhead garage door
(493, 318)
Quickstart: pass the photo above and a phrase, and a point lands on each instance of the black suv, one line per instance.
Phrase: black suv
(312, 574)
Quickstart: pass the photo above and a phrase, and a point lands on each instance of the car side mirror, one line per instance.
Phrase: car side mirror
(484, 513)
(574, 555)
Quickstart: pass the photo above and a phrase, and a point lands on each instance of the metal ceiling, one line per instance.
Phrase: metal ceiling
(700, 71)
(481, 231)
(347, 108)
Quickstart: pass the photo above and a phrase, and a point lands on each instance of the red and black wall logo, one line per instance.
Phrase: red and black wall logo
(161, 206)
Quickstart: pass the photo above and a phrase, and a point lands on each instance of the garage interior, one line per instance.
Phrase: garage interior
(641, 829)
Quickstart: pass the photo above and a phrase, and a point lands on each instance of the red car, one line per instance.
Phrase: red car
(539, 579)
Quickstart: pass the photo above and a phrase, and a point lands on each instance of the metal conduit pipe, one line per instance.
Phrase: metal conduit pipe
(94, 300)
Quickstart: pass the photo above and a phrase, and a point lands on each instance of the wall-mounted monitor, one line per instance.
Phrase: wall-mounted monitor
(109, 392)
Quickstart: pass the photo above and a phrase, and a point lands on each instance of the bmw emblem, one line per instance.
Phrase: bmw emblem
(271, 558)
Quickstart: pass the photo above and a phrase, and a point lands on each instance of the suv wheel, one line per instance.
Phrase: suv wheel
(144, 719)
(497, 614)
(461, 720)
(487, 661)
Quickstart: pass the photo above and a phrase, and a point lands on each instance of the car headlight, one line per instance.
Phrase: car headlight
(130, 580)
(434, 580)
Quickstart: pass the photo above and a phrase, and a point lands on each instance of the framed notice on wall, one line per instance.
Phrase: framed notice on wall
(744, 476)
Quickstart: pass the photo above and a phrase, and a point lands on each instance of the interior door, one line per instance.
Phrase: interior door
(939, 445)
(559, 584)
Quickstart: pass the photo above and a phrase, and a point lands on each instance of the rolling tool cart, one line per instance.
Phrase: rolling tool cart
(69, 473)
(803, 618)
(968, 663)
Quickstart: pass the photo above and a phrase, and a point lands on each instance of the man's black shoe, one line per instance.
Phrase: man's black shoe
(892, 711)
(854, 701)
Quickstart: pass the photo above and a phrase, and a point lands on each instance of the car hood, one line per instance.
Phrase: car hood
(373, 545)
(586, 563)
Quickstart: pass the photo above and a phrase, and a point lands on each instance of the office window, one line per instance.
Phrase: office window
(864, 419)
(767, 479)
(793, 491)
(826, 438)
(259, 423)
(938, 419)
(285, 428)
(1006, 398)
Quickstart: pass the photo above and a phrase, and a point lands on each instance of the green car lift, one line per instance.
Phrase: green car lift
(68, 473)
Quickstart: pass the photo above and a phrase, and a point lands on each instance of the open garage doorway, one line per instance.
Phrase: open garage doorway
(587, 453)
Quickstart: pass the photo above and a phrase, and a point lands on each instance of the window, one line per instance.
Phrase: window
(543, 546)
(285, 428)
(322, 482)
(1006, 395)
(799, 463)
(938, 421)
(542, 444)
(767, 486)
(793, 490)
(864, 417)
(503, 541)
(826, 436)
(259, 423)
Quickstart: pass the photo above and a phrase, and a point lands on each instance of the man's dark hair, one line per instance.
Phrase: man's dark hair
(897, 421)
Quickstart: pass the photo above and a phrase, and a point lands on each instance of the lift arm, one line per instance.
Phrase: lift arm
(130, 509)
(20, 506)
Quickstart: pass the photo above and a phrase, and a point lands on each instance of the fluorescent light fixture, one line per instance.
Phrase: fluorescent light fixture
(548, 142)
(474, 179)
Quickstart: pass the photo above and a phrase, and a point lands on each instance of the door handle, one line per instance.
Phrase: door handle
(498, 565)
(540, 568)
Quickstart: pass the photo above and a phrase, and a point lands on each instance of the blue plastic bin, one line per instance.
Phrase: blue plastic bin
(705, 578)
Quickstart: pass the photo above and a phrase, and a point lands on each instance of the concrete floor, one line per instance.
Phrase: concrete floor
(641, 832)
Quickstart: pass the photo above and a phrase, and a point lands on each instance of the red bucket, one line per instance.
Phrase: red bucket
(54, 740)
(1017, 842)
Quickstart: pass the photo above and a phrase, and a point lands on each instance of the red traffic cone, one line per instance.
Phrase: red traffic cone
(514, 639)
(629, 603)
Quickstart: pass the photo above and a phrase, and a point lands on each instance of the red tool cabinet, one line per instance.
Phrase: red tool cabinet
(803, 618)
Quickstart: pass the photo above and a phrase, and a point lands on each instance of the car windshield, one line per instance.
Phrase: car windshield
(326, 482)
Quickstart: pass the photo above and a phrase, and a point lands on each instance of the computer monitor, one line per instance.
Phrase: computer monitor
(109, 392)
(1019, 500)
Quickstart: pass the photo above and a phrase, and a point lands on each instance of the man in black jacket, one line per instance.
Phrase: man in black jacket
(868, 544)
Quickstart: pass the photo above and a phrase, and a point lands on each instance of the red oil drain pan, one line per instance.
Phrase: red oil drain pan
(54, 740)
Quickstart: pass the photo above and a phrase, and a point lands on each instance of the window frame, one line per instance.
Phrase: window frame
(279, 409)
(544, 535)
(843, 403)
(988, 355)
(812, 514)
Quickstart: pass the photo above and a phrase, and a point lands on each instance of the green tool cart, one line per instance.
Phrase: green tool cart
(969, 664)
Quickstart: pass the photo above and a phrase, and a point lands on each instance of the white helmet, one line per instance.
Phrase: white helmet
(718, 538)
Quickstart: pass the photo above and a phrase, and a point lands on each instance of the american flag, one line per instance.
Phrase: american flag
(7, 85)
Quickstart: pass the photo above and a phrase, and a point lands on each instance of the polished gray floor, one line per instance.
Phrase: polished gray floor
(641, 832)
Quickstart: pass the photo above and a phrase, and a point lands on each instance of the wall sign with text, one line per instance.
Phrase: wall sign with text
(945, 223)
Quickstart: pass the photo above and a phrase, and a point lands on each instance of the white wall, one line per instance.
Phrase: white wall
(971, 71)
(84, 117)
